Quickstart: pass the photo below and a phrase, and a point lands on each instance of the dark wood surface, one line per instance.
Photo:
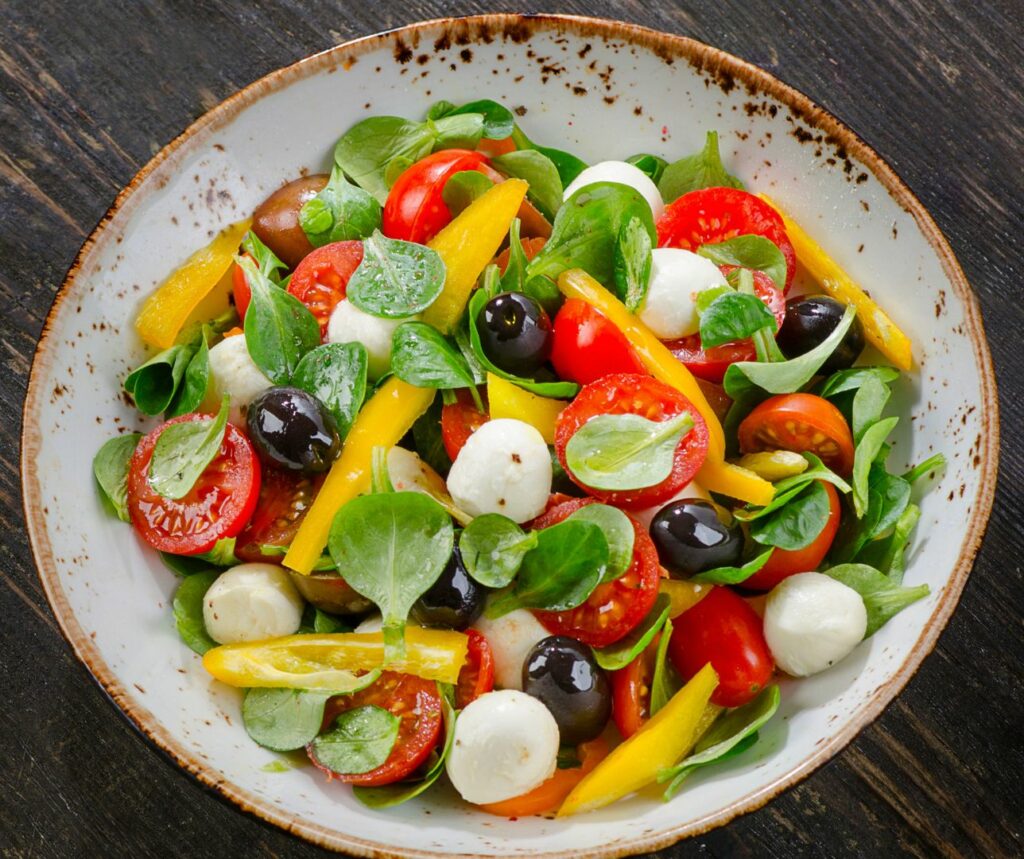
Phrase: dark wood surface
(89, 91)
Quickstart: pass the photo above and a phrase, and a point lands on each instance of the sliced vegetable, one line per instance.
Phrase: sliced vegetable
(508, 400)
(625, 650)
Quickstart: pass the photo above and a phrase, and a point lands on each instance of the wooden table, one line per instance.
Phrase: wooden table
(88, 92)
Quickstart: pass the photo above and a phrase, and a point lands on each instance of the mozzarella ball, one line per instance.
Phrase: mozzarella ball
(506, 744)
(349, 324)
(623, 174)
(811, 622)
(677, 278)
(236, 374)
(511, 636)
(692, 490)
(251, 602)
(504, 467)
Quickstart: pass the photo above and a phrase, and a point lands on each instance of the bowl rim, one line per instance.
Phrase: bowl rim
(519, 26)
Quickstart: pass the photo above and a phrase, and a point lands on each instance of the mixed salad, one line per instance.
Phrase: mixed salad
(479, 460)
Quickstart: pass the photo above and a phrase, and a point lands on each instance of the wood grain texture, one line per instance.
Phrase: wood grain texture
(88, 92)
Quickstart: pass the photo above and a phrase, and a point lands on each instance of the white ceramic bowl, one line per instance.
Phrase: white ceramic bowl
(600, 89)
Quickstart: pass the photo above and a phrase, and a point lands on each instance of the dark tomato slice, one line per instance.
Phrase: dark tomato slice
(631, 692)
(802, 423)
(587, 346)
(320, 280)
(713, 215)
(417, 704)
(459, 420)
(477, 676)
(627, 393)
(616, 607)
(284, 498)
(218, 506)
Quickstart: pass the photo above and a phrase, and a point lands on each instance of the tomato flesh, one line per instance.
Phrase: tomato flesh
(477, 676)
(459, 420)
(320, 280)
(802, 423)
(284, 498)
(587, 346)
(631, 692)
(240, 289)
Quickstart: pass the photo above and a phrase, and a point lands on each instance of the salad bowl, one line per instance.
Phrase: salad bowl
(584, 84)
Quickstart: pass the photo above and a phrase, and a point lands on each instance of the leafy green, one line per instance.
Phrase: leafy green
(567, 164)
(366, 149)
(733, 316)
(396, 279)
(221, 555)
(266, 260)
(733, 575)
(625, 650)
(154, 385)
(618, 533)
(498, 121)
(843, 381)
(188, 611)
(514, 278)
(883, 598)
(195, 382)
(787, 488)
(426, 433)
(798, 523)
(421, 356)
(184, 450)
(632, 263)
(702, 170)
(493, 548)
(335, 373)
(868, 402)
(933, 463)
(110, 468)
(751, 252)
(463, 188)
(539, 171)
(186, 565)
(340, 212)
(871, 441)
(360, 740)
(888, 555)
(664, 682)
(653, 165)
(283, 719)
(457, 131)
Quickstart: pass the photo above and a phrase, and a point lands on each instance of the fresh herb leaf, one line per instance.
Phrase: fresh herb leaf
(733, 575)
(787, 488)
(625, 650)
(514, 278)
(457, 131)
(493, 548)
(360, 740)
(154, 385)
(653, 165)
(395, 168)
(798, 523)
(703, 170)
(185, 565)
(850, 380)
(266, 260)
(539, 171)
(632, 263)
(933, 463)
(188, 611)
(883, 598)
(733, 316)
(463, 188)
(421, 356)
(868, 402)
(221, 555)
(871, 441)
(426, 433)
(110, 468)
(184, 450)
(664, 682)
(752, 252)
(340, 212)
(195, 382)
(888, 555)
(498, 121)
(366, 149)
(283, 719)
(335, 373)
(618, 533)
(567, 164)
(396, 279)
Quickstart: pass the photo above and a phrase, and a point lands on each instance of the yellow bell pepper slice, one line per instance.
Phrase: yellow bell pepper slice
(327, 661)
(166, 311)
(716, 474)
(507, 400)
(388, 416)
(661, 742)
(467, 244)
(879, 330)
(682, 595)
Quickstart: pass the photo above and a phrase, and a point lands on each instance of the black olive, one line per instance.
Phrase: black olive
(563, 674)
(809, 321)
(454, 601)
(690, 538)
(515, 333)
(291, 429)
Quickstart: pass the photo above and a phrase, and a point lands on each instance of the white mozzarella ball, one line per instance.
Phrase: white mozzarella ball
(811, 622)
(511, 637)
(692, 490)
(250, 602)
(677, 278)
(506, 744)
(349, 324)
(236, 374)
(624, 174)
(504, 467)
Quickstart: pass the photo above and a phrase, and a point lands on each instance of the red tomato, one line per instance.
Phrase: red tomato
(712, 215)
(616, 607)
(218, 506)
(786, 562)
(494, 148)
(320, 280)
(802, 423)
(587, 346)
(723, 630)
(415, 210)
(477, 676)
(240, 289)
(531, 247)
(459, 420)
(631, 692)
(417, 704)
(627, 393)
(284, 498)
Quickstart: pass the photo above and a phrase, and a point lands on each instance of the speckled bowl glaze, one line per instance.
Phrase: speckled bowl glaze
(601, 89)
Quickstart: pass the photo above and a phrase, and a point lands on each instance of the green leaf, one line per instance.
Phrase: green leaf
(498, 121)
(421, 356)
(632, 264)
(457, 131)
(751, 252)
(426, 433)
(733, 316)
(396, 279)
(618, 534)
(871, 441)
(360, 740)
(493, 548)
(395, 168)
(850, 380)
(192, 393)
(787, 488)
(184, 450)
(733, 575)
(266, 260)
(539, 171)
(188, 611)
(868, 402)
(653, 165)
(890, 558)
(335, 373)
(221, 555)
(567, 164)
(186, 565)
(798, 523)
(283, 719)
(664, 682)
(883, 598)
(703, 170)
(514, 278)
(380, 477)
(626, 451)
(933, 463)
(463, 188)
(154, 385)
(366, 149)
(625, 650)
(324, 623)
(340, 212)
(110, 468)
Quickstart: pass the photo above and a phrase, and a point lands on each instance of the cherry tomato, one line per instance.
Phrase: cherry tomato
(531, 247)
(616, 607)
(276, 220)
(638, 395)
(631, 692)
(240, 289)
(802, 423)
(459, 420)
(588, 346)
(477, 676)
(712, 215)
(417, 704)
(786, 562)
(723, 630)
(320, 280)
(284, 498)
(218, 506)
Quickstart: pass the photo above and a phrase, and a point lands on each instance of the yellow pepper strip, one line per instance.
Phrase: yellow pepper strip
(388, 416)
(165, 311)
(682, 595)
(716, 474)
(879, 330)
(507, 400)
(467, 244)
(327, 661)
(661, 742)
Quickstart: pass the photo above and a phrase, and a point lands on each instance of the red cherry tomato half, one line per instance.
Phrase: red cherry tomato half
(783, 563)
(616, 607)
(284, 498)
(638, 395)
(631, 692)
(240, 289)
(588, 346)
(723, 630)
(417, 704)
(712, 215)
(218, 506)
(320, 280)
(802, 423)
(477, 676)
(459, 420)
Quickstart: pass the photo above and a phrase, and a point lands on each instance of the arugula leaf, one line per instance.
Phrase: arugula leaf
(883, 598)
(703, 170)
(625, 650)
(340, 212)
(514, 278)
(366, 149)
(283, 719)
(850, 380)
(396, 279)
(421, 356)
(335, 373)
(539, 171)
(360, 740)
(664, 682)
(618, 533)
(733, 575)
(797, 524)
(110, 468)
(196, 380)
(632, 264)
(426, 433)
(752, 252)
(463, 188)
(188, 611)
(733, 316)
(653, 165)
(184, 450)
(871, 441)
(493, 548)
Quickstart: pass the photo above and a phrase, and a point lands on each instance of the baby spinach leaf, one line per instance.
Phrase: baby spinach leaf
(395, 168)
(850, 380)
(871, 441)
(625, 650)
(283, 719)
(617, 452)
(183, 451)
(196, 380)
(186, 565)
(340, 212)
(632, 263)
(618, 533)
(493, 548)
(868, 402)
(703, 170)
(421, 356)
(751, 252)
(733, 316)
(514, 278)
(787, 488)
(366, 149)
(188, 611)
(539, 171)
(110, 468)
(266, 260)
(335, 373)
(653, 165)
(463, 188)
(221, 555)
(733, 575)
(887, 555)
(457, 131)
(426, 433)
(933, 463)
(360, 740)
(567, 164)
(154, 385)
(883, 598)
(396, 279)
(498, 121)
(664, 682)
(798, 523)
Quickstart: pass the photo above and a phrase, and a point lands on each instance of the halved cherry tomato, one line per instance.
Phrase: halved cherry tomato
(723, 630)
(320, 280)
(787, 562)
(712, 215)
(588, 346)
(477, 676)
(531, 247)
(284, 498)
(494, 148)
(802, 423)
(627, 393)
(631, 692)
(218, 506)
(240, 288)
(459, 420)
(616, 607)
(417, 704)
